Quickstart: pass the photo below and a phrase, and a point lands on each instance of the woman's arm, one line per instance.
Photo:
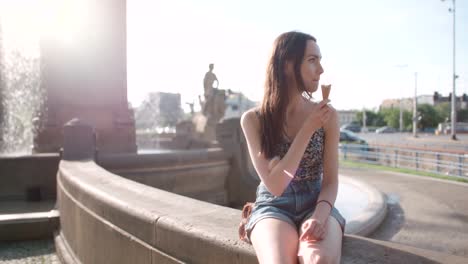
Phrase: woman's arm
(277, 177)
(330, 168)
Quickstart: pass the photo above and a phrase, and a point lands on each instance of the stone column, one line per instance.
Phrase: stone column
(1, 89)
(84, 75)
(243, 180)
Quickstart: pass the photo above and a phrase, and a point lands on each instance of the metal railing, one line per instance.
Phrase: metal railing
(419, 160)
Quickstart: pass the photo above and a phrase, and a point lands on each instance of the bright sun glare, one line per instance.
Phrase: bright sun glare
(24, 22)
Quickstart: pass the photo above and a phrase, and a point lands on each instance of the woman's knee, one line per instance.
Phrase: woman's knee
(327, 259)
(321, 258)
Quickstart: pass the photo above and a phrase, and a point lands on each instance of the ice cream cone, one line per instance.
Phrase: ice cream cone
(325, 91)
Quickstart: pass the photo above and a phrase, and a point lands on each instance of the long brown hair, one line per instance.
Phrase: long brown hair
(288, 47)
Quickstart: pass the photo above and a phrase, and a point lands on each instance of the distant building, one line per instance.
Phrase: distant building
(237, 104)
(461, 101)
(159, 110)
(406, 104)
(346, 116)
(426, 99)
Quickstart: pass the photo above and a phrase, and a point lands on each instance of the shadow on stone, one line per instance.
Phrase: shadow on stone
(393, 223)
(358, 250)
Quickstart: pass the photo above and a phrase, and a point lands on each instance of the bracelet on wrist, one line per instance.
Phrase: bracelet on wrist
(325, 201)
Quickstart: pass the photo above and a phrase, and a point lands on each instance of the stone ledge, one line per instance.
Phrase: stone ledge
(155, 217)
(21, 220)
(374, 213)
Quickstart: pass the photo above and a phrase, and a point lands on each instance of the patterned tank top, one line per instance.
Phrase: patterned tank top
(311, 165)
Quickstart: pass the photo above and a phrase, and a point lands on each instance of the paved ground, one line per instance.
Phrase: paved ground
(422, 212)
(38, 251)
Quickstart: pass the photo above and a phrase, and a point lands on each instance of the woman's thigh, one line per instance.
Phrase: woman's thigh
(327, 250)
(275, 241)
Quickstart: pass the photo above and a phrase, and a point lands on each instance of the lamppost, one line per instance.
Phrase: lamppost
(401, 99)
(415, 106)
(454, 77)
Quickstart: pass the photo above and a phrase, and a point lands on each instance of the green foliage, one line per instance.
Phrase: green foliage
(391, 116)
(373, 119)
(443, 109)
(407, 120)
(429, 116)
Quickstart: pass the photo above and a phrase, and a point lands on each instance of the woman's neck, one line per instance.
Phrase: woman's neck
(296, 104)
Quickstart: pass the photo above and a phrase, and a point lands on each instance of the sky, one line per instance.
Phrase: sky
(371, 49)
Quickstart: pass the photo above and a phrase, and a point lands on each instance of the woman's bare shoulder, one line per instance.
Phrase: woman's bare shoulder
(250, 117)
(332, 124)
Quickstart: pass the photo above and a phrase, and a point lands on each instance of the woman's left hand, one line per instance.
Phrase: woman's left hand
(313, 229)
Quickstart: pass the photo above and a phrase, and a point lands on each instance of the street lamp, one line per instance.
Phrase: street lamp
(415, 106)
(401, 99)
(454, 77)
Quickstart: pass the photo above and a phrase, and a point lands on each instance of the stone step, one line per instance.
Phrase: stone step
(22, 220)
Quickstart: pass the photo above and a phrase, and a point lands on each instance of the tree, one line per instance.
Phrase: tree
(430, 118)
(443, 110)
(372, 118)
(391, 116)
(407, 120)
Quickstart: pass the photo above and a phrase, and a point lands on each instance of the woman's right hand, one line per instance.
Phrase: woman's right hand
(319, 116)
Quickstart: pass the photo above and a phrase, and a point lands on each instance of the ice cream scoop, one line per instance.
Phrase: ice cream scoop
(325, 91)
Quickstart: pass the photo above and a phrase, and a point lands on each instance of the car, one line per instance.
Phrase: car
(352, 145)
(352, 127)
(347, 136)
(385, 129)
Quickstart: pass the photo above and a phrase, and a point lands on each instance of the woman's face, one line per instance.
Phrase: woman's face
(311, 68)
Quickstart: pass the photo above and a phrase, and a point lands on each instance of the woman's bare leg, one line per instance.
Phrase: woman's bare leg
(275, 241)
(327, 250)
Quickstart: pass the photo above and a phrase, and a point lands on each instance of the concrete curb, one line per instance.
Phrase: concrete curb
(28, 226)
(373, 214)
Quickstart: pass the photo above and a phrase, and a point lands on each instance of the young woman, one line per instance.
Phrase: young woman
(293, 144)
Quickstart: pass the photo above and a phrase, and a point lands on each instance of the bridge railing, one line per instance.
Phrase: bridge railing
(419, 160)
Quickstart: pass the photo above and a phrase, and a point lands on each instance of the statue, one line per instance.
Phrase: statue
(208, 82)
(213, 107)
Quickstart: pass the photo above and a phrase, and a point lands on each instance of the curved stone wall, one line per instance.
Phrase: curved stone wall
(106, 218)
(200, 174)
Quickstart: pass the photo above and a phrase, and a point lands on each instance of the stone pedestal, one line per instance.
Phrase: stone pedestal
(243, 179)
(213, 109)
(84, 76)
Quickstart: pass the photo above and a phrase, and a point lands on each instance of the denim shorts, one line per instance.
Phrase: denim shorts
(294, 206)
